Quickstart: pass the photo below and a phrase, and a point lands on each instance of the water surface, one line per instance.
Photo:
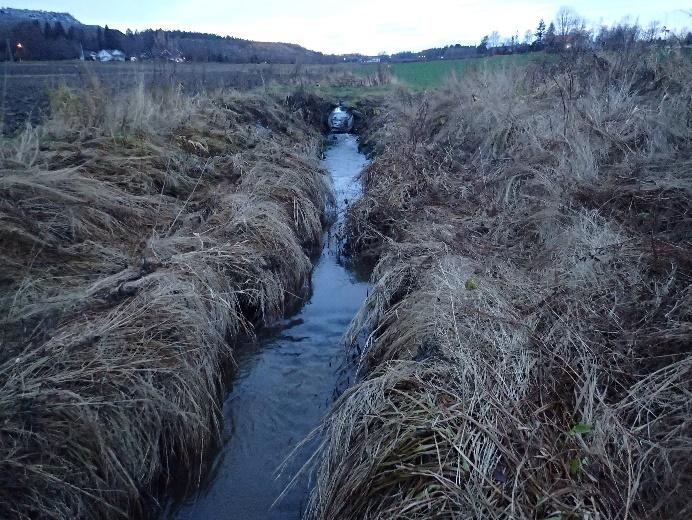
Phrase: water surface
(286, 381)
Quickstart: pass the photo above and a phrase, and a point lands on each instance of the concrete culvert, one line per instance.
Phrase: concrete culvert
(340, 120)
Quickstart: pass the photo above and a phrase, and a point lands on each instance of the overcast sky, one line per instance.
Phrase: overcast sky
(367, 26)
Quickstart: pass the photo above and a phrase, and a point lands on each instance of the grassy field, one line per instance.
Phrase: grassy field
(25, 87)
(351, 83)
(430, 74)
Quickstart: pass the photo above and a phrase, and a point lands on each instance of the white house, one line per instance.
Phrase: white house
(117, 55)
(110, 55)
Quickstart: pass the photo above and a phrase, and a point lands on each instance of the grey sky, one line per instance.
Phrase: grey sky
(366, 26)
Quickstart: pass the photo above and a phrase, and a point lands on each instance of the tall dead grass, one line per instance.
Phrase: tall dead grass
(140, 235)
(529, 328)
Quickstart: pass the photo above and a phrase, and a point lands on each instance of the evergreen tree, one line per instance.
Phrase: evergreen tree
(550, 38)
(34, 45)
(58, 31)
(110, 40)
(483, 46)
(539, 34)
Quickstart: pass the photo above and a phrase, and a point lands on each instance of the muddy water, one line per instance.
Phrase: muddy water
(286, 381)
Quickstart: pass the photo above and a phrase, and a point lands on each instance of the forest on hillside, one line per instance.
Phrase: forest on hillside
(34, 40)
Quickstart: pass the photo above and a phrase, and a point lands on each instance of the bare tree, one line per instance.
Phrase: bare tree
(652, 31)
(566, 21)
(493, 39)
(528, 37)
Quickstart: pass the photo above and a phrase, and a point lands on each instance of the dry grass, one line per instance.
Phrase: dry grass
(529, 330)
(140, 236)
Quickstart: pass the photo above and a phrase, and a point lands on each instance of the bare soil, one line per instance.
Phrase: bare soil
(25, 87)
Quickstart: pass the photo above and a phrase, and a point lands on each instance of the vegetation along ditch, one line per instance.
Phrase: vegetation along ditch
(287, 380)
(141, 237)
(528, 351)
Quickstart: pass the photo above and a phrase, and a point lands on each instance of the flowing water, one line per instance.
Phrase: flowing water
(286, 381)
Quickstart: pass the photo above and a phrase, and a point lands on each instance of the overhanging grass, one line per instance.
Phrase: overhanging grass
(141, 234)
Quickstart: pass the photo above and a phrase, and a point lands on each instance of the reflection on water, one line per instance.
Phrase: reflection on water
(285, 381)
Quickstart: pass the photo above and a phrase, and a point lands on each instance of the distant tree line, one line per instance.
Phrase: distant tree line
(449, 52)
(33, 40)
(568, 32)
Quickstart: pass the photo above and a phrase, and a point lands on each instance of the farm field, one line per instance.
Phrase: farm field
(25, 87)
(353, 82)
(430, 74)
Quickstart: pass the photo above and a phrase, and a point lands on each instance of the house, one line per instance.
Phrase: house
(117, 55)
(103, 55)
(108, 55)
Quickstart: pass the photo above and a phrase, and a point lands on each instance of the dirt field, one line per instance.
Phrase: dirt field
(24, 87)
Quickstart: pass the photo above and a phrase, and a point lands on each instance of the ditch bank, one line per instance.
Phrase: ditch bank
(528, 353)
(143, 235)
(287, 379)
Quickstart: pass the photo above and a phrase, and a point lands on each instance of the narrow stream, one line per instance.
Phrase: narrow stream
(286, 381)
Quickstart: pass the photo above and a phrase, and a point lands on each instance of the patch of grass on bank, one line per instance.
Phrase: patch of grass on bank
(351, 95)
(348, 95)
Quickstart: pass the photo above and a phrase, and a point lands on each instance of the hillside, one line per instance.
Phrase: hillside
(10, 15)
(45, 35)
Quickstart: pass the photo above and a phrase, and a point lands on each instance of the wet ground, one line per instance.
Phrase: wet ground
(286, 382)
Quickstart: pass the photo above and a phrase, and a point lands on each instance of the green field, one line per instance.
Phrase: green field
(418, 76)
(430, 74)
